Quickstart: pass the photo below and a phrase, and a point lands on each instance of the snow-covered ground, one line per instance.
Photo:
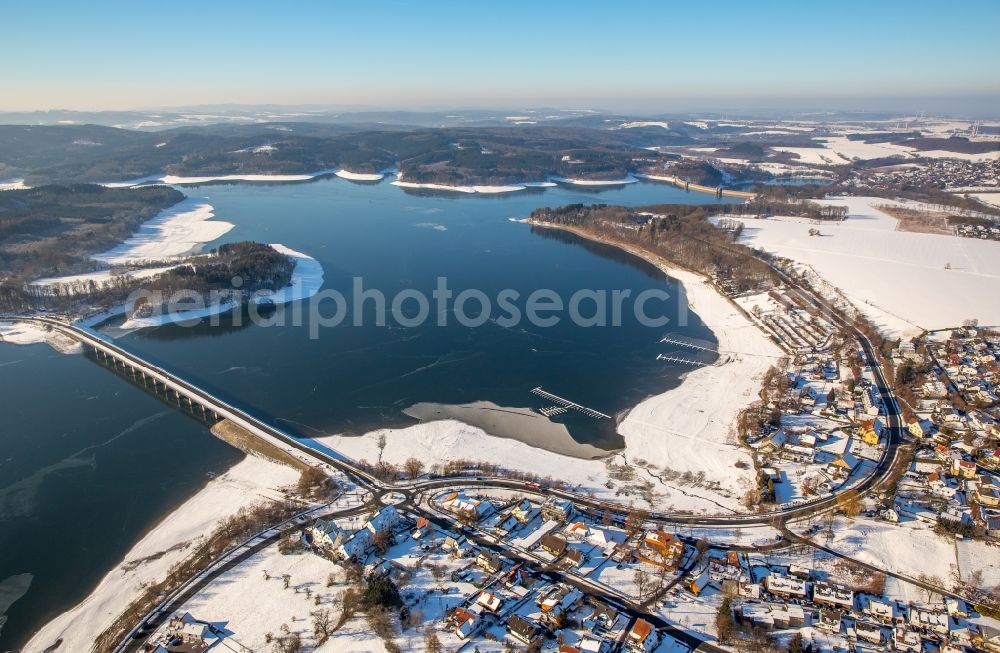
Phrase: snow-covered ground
(644, 123)
(898, 278)
(909, 548)
(176, 231)
(486, 190)
(27, 333)
(629, 179)
(840, 150)
(509, 188)
(182, 180)
(251, 481)
(11, 184)
(99, 278)
(359, 176)
(992, 199)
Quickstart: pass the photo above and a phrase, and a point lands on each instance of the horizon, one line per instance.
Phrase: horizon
(115, 57)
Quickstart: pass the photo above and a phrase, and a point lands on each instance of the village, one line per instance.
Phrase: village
(506, 571)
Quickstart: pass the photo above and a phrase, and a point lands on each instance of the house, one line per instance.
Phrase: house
(326, 534)
(699, 581)
(489, 601)
(906, 640)
(641, 638)
(192, 634)
(831, 595)
(963, 468)
(465, 622)
(868, 632)
(523, 630)
(558, 600)
(424, 528)
(467, 508)
(575, 557)
(869, 432)
(785, 586)
(890, 515)
(357, 546)
(385, 520)
(842, 466)
(928, 620)
(830, 620)
(741, 587)
(455, 545)
(956, 608)
(661, 548)
(556, 509)
(916, 428)
(524, 512)
(553, 544)
(489, 562)
(987, 495)
(770, 616)
(603, 613)
(880, 610)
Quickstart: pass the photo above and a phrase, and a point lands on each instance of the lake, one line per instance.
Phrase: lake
(90, 462)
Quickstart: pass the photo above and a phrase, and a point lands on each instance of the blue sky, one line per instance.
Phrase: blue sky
(621, 55)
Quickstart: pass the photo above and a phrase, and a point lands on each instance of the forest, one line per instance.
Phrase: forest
(52, 230)
(679, 233)
(482, 155)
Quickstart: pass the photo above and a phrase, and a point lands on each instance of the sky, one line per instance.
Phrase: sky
(626, 56)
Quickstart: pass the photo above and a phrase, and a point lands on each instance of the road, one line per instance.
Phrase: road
(365, 479)
(136, 638)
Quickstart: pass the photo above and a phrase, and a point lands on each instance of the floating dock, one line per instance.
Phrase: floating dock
(566, 404)
(682, 361)
(669, 340)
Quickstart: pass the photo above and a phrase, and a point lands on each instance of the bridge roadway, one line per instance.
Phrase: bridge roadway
(365, 479)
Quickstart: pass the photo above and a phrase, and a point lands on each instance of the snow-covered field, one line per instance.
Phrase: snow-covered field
(992, 199)
(840, 150)
(251, 481)
(644, 123)
(909, 548)
(99, 278)
(176, 231)
(898, 278)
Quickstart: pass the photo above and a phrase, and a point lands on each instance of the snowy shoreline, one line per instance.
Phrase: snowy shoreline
(684, 429)
(307, 279)
(173, 233)
(180, 180)
(149, 560)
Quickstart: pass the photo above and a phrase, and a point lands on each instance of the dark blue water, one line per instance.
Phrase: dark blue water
(89, 462)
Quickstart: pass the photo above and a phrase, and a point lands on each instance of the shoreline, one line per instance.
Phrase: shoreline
(307, 279)
(160, 546)
(521, 424)
(745, 355)
(685, 429)
(184, 180)
(364, 177)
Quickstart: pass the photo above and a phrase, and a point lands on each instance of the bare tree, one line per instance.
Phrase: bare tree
(413, 467)
(322, 625)
(431, 641)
